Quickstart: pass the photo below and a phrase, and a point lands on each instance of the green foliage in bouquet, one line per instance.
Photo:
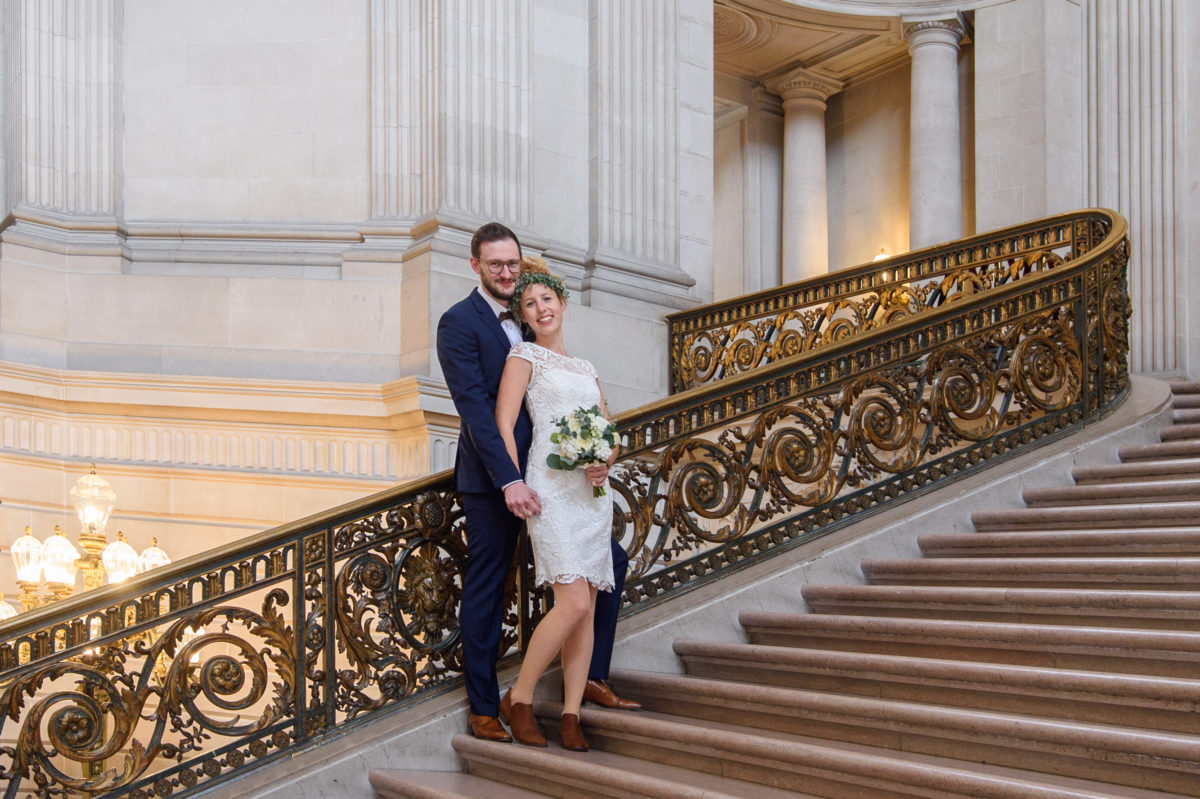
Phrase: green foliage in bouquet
(583, 437)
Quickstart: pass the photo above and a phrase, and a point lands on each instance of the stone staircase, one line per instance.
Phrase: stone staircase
(1054, 652)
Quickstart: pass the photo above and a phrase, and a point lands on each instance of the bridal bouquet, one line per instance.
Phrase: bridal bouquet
(583, 437)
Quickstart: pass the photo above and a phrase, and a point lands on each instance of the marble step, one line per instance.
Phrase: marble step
(729, 760)
(1186, 415)
(1186, 401)
(1093, 517)
(1187, 448)
(1153, 574)
(1161, 610)
(1135, 471)
(1130, 651)
(1179, 432)
(403, 784)
(1149, 702)
(1129, 756)
(1086, 543)
(1180, 490)
(1182, 387)
(553, 771)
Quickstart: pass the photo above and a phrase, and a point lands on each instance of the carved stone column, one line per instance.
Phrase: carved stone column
(935, 168)
(450, 111)
(62, 134)
(805, 201)
(635, 144)
(1141, 145)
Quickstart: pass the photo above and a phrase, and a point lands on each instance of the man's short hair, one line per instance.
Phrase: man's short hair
(492, 231)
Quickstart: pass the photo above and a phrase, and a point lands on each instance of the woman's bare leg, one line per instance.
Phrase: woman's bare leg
(577, 658)
(573, 606)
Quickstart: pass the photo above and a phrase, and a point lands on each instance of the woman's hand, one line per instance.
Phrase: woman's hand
(597, 474)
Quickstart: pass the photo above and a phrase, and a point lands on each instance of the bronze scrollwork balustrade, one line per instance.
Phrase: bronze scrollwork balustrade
(718, 341)
(194, 673)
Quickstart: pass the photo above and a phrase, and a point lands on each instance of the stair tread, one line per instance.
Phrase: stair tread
(994, 568)
(1133, 469)
(980, 633)
(621, 772)
(1172, 693)
(442, 785)
(756, 745)
(1145, 490)
(1087, 598)
(1180, 430)
(1000, 565)
(1163, 449)
(1152, 541)
(884, 711)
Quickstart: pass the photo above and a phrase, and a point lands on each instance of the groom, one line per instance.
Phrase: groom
(473, 340)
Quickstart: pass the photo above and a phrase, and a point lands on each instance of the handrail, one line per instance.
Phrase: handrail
(194, 673)
(712, 342)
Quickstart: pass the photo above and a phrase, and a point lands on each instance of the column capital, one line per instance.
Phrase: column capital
(804, 84)
(949, 30)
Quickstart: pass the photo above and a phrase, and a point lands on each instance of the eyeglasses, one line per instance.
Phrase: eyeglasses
(496, 267)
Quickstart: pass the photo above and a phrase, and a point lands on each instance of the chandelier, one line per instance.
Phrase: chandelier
(47, 570)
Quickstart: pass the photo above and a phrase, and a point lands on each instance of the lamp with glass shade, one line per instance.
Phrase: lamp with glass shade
(94, 500)
(120, 560)
(58, 564)
(152, 557)
(27, 555)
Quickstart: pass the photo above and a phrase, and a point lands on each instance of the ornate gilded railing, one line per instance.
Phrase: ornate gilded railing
(718, 341)
(199, 671)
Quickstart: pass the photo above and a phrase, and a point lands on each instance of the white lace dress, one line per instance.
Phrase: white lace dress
(571, 536)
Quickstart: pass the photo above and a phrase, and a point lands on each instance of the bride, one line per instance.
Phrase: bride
(570, 537)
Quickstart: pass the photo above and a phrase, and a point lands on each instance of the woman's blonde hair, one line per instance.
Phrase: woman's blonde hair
(534, 270)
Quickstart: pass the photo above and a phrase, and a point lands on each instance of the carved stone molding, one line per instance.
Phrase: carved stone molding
(400, 430)
(948, 30)
(735, 31)
(804, 84)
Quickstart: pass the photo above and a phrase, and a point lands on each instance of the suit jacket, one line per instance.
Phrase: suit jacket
(472, 348)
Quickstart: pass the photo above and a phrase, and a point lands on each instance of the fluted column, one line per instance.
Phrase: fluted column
(935, 168)
(1138, 163)
(634, 140)
(451, 88)
(805, 245)
(62, 125)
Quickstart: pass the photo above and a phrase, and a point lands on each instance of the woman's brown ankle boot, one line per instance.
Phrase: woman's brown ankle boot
(521, 721)
(571, 734)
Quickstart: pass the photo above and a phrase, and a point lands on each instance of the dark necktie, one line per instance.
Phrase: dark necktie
(507, 315)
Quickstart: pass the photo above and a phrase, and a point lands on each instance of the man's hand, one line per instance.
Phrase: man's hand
(597, 474)
(522, 500)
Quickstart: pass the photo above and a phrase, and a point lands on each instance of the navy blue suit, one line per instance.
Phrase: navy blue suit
(472, 348)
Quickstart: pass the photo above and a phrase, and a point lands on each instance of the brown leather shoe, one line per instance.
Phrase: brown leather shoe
(571, 734)
(487, 728)
(520, 719)
(598, 693)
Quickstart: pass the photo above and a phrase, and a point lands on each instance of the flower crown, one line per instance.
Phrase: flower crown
(527, 279)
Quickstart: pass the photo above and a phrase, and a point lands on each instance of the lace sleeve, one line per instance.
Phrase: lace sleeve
(522, 350)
